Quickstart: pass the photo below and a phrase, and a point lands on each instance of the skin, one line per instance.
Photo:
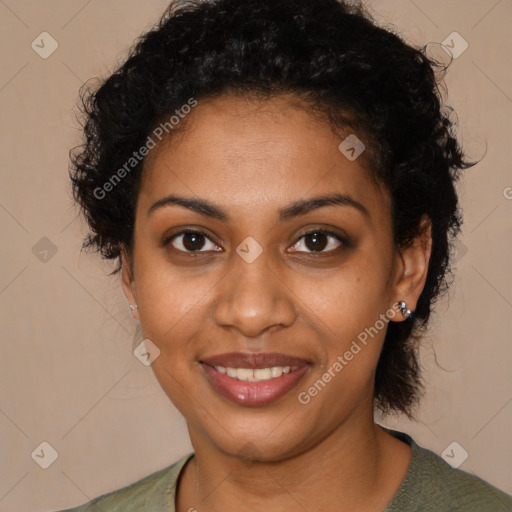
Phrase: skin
(251, 158)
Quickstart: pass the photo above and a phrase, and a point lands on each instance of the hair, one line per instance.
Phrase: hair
(332, 56)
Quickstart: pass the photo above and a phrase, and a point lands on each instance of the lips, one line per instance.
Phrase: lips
(259, 392)
(254, 360)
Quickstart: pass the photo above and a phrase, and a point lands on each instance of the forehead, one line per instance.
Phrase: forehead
(248, 153)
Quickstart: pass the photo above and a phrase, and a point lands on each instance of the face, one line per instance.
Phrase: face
(261, 252)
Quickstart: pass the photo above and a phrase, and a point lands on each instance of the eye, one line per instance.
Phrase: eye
(319, 240)
(192, 241)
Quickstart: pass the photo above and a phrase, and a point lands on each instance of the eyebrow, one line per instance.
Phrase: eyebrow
(196, 205)
(304, 206)
(295, 209)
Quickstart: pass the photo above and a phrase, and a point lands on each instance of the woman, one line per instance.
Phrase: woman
(276, 180)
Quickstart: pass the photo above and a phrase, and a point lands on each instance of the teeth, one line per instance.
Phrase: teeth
(259, 374)
(262, 374)
(277, 371)
(244, 373)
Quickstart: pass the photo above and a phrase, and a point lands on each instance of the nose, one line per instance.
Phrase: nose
(252, 298)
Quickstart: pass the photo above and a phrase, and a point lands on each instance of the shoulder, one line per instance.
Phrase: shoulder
(445, 485)
(431, 484)
(154, 492)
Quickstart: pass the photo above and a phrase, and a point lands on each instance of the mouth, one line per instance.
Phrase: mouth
(254, 379)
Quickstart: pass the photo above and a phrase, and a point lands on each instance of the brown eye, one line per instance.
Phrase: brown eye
(318, 241)
(192, 241)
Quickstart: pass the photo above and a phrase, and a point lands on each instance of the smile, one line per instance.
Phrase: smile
(257, 375)
(254, 379)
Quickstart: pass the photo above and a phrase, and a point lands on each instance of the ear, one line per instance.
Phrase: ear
(412, 266)
(128, 281)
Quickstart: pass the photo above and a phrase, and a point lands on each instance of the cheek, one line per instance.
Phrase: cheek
(169, 304)
(352, 344)
(348, 301)
(351, 313)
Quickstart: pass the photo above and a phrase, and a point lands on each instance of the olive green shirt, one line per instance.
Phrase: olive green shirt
(430, 485)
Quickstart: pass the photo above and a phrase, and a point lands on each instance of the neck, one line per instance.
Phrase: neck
(356, 467)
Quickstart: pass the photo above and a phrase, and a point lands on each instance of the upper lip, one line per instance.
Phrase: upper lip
(253, 360)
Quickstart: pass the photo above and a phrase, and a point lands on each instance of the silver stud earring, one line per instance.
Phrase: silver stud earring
(133, 308)
(402, 306)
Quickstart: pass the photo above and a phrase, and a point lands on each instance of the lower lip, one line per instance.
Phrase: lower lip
(253, 393)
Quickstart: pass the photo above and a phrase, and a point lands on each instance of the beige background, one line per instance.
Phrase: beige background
(67, 372)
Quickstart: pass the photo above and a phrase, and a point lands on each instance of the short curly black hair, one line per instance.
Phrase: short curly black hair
(332, 55)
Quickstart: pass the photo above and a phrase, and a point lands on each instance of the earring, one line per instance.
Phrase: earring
(133, 308)
(402, 306)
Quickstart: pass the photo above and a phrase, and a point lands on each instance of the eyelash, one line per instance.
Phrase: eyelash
(343, 241)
